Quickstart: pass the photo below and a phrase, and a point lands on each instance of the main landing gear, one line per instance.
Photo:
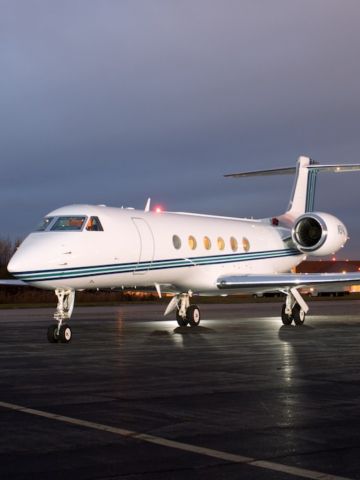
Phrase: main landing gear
(294, 308)
(60, 331)
(186, 314)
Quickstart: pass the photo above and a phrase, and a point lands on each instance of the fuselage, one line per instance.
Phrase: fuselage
(134, 248)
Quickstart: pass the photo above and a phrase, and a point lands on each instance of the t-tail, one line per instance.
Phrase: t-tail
(313, 233)
(302, 198)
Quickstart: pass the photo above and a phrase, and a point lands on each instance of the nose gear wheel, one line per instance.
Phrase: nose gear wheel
(61, 332)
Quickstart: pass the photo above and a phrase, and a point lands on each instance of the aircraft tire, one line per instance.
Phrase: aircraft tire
(298, 314)
(182, 322)
(193, 315)
(65, 334)
(286, 319)
(51, 334)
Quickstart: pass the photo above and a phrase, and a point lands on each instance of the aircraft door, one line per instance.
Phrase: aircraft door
(147, 246)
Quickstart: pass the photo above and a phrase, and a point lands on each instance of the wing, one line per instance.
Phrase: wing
(15, 283)
(281, 281)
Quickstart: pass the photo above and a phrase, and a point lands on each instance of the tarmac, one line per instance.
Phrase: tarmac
(134, 396)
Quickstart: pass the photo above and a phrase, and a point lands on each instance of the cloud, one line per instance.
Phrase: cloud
(112, 101)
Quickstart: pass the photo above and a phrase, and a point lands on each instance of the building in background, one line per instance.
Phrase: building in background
(331, 266)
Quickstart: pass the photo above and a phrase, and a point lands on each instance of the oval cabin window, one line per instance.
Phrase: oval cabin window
(192, 242)
(234, 244)
(220, 243)
(176, 242)
(207, 243)
(246, 244)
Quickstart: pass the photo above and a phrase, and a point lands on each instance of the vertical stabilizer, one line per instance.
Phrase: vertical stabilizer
(303, 193)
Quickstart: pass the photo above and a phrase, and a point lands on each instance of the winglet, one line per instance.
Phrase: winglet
(147, 206)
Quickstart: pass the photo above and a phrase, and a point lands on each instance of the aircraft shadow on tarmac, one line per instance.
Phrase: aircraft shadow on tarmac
(193, 331)
(189, 336)
(326, 331)
(289, 333)
(183, 331)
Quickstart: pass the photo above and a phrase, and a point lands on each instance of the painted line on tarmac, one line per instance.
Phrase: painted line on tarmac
(187, 447)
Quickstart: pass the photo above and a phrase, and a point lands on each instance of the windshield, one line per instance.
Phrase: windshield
(73, 223)
(43, 225)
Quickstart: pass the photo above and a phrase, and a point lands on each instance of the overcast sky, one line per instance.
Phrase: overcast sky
(112, 101)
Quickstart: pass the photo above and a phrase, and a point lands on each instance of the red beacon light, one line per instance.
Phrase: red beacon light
(158, 209)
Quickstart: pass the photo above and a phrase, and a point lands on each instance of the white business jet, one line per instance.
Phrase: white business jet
(82, 247)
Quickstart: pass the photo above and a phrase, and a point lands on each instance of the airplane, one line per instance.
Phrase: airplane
(82, 247)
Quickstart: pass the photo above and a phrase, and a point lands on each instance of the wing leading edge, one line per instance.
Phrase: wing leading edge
(14, 283)
(282, 281)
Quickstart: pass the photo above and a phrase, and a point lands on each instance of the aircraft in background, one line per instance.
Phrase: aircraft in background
(82, 247)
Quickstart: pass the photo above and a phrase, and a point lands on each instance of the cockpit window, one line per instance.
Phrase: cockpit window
(43, 225)
(67, 224)
(94, 225)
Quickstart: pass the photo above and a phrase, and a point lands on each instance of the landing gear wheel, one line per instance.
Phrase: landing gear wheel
(298, 314)
(286, 319)
(182, 322)
(193, 315)
(65, 333)
(52, 335)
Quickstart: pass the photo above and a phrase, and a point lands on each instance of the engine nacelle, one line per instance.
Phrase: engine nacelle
(319, 233)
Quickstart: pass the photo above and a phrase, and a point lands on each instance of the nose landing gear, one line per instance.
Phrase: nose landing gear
(61, 332)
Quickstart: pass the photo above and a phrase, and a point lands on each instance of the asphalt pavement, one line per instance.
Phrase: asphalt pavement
(134, 396)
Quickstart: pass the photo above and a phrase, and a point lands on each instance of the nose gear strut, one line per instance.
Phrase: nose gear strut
(61, 332)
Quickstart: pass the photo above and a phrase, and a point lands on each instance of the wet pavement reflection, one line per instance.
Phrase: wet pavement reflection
(240, 382)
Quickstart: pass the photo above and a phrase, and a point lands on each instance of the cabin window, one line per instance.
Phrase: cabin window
(207, 243)
(94, 225)
(234, 244)
(220, 243)
(43, 225)
(246, 244)
(192, 242)
(176, 242)
(68, 224)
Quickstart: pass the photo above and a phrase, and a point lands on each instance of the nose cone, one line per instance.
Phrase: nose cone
(19, 262)
(41, 252)
(28, 257)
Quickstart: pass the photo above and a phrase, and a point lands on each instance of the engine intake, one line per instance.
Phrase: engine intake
(310, 233)
(319, 233)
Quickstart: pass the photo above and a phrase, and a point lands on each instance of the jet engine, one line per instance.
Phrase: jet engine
(319, 233)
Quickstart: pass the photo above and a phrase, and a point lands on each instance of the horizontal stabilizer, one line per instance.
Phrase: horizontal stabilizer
(303, 193)
(335, 168)
(290, 170)
(262, 173)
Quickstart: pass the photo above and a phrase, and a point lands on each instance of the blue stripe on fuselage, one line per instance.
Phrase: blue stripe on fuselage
(111, 269)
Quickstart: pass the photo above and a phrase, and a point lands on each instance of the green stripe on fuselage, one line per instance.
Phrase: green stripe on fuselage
(152, 265)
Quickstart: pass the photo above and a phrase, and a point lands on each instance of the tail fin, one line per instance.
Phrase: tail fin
(303, 194)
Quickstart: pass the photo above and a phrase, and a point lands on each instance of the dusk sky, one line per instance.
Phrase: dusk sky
(112, 101)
